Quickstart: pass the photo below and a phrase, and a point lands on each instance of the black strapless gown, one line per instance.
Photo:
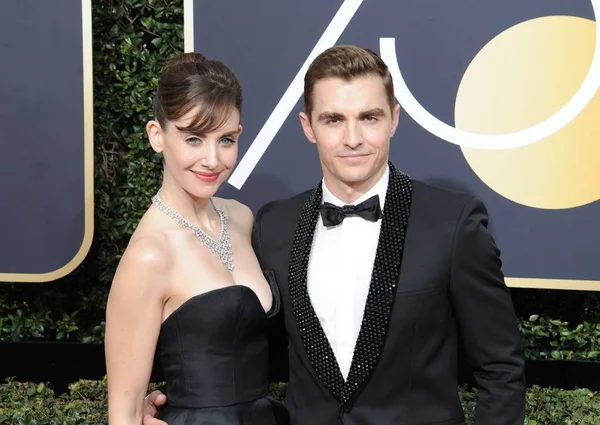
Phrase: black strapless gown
(214, 354)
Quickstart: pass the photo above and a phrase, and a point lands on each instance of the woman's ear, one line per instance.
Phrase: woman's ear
(155, 135)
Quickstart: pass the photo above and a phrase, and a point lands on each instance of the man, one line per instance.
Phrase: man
(382, 276)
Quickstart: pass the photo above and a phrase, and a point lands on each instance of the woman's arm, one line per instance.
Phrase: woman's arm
(133, 320)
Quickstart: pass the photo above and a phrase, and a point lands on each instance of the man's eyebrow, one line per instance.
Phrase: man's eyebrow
(329, 115)
(375, 112)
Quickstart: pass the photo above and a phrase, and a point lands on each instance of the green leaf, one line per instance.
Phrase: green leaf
(115, 30)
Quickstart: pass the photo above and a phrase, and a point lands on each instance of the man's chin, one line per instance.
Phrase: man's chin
(354, 179)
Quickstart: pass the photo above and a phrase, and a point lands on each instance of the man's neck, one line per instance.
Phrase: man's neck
(349, 192)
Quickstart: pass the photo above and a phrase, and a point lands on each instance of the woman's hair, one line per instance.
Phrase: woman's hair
(190, 81)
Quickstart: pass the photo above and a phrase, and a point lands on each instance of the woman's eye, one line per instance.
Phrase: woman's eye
(227, 141)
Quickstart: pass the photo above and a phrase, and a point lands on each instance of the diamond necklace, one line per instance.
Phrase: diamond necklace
(221, 248)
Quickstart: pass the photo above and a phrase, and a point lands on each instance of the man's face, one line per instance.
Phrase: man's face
(351, 123)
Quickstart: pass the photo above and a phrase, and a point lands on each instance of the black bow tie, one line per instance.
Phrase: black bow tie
(333, 215)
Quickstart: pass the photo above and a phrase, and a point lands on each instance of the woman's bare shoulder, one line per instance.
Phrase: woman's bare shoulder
(237, 212)
(147, 260)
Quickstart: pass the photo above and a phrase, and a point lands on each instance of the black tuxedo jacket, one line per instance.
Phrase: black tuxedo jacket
(437, 275)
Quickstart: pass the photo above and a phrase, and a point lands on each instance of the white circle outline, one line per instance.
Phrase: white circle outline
(467, 139)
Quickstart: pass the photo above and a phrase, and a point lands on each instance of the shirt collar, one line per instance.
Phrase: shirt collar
(380, 188)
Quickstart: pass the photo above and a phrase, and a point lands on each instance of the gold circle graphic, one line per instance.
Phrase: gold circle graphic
(520, 78)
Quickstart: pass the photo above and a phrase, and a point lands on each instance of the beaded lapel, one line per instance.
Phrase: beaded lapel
(315, 341)
(384, 279)
(380, 300)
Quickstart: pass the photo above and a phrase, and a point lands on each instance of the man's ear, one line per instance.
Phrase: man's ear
(307, 128)
(395, 118)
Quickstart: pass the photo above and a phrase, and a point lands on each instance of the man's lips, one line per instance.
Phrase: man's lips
(354, 156)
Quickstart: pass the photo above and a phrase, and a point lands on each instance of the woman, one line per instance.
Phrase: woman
(189, 281)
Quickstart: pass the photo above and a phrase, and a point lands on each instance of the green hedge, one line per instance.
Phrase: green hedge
(543, 337)
(30, 403)
(133, 39)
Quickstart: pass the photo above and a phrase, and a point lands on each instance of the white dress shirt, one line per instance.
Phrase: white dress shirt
(339, 273)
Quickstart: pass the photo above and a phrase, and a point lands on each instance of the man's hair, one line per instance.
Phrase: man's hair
(347, 63)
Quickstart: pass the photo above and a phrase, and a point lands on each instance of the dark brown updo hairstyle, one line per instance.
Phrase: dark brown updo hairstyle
(191, 81)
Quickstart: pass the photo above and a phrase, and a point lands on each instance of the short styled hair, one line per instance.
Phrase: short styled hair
(347, 63)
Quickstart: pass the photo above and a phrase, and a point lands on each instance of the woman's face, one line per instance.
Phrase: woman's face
(198, 163)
